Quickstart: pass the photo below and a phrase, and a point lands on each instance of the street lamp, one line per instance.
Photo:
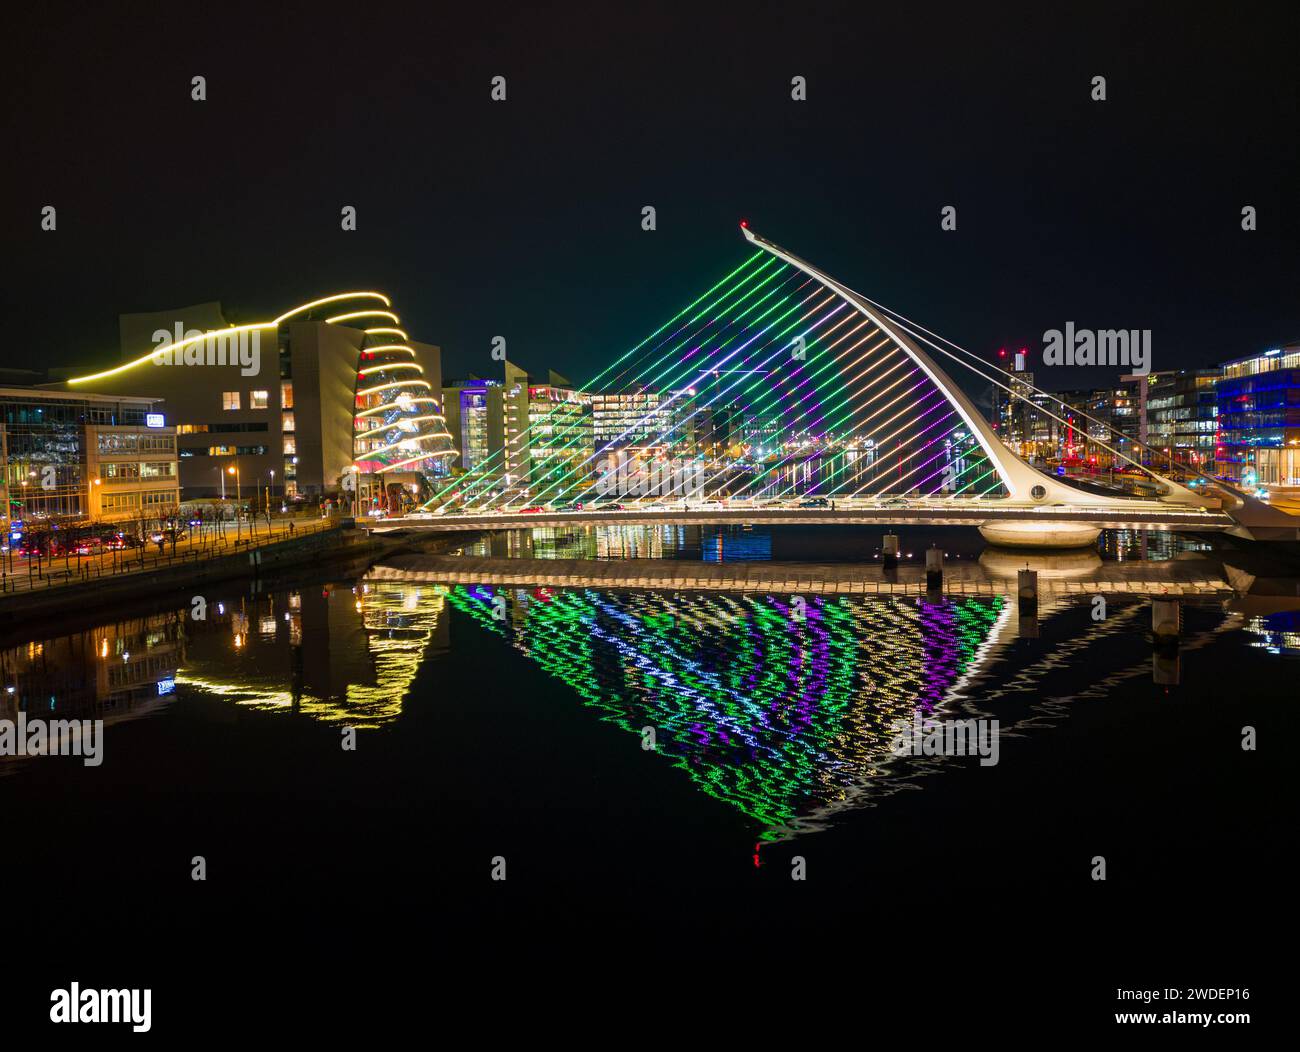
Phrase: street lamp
(234, 470)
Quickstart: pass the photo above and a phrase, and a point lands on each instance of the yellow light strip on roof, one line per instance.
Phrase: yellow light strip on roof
(389, 347)
(149, 357)
(389, 405)
(416, 460)
(391, 365)
(363, 314)
(413, 438)
(171, 347)
(395, 383)
(387, 331)
(334, 299)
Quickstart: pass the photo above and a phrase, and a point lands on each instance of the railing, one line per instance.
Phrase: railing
(23, 574)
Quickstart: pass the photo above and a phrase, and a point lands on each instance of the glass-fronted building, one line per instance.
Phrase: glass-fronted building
(1258, 422)
(76, 457)
(1182, 411)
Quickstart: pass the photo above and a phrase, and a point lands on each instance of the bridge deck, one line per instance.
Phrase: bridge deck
(1178, 577)
(937, 514)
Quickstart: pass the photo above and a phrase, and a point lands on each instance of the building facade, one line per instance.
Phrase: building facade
(331, 394)
(72, 457)
(1182, 412)
(523, 436)
(1257, 426)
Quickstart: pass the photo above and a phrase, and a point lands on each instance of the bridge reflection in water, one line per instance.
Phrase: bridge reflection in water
(780, 706)
(775, 707)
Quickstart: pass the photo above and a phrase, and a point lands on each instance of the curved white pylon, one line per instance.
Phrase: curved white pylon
(1024, 482)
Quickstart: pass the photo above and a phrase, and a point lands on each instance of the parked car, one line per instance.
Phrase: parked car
(815, 502)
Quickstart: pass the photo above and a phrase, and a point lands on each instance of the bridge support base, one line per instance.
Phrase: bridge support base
(1013, 534)
(1166, 621)
(933, 570)
(889, 552)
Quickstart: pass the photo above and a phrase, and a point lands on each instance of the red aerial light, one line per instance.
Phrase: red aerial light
(1002, 353)
(744, 224)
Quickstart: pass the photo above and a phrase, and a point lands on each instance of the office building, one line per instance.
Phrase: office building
(77, 457)
(1258, 421)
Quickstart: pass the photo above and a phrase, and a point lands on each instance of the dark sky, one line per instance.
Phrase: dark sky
(523, 219)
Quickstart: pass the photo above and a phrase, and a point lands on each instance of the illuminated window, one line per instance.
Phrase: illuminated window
(229, 399)
(290, 446)
(286, 394)
(286, 422)
(191, 429)
(257, 399)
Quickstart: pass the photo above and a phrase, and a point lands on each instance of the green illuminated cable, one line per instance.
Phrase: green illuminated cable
(719, 302)
(756, 256)
(677, 371)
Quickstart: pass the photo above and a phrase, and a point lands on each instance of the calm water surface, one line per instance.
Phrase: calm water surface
(512, 723)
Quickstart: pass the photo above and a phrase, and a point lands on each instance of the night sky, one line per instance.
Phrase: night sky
(523, 218)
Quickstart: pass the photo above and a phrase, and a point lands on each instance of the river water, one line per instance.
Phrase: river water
(352, 745)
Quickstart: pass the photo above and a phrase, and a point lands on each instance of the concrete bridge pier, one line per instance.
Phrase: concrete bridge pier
(933, 570)
(889, 551)
(1166, 621)
(1166, 667)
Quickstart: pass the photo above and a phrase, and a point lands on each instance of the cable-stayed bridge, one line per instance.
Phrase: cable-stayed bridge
(782, 396)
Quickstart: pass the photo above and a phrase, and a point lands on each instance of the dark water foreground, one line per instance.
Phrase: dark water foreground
(510, 725)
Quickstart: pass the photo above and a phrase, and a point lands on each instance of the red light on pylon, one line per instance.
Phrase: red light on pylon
(744, 224)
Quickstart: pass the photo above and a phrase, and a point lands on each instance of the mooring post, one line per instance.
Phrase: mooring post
(1027, 591)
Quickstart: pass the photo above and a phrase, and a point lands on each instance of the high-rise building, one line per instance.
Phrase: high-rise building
(525, 437)
(475, 420)
(1181, 418)
(1022, 417)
